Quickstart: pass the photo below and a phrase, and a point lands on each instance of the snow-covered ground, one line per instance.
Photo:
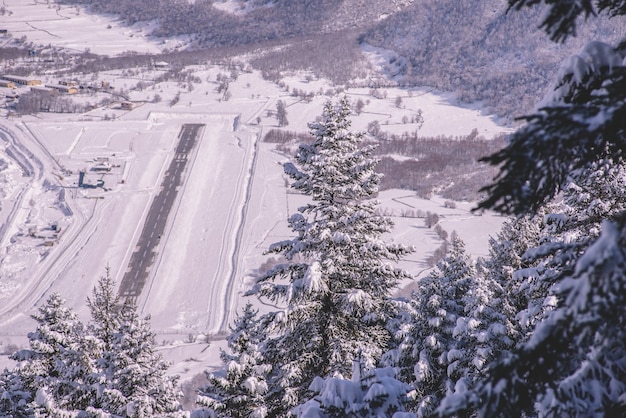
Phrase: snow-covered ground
(233, 204)
(47, 23)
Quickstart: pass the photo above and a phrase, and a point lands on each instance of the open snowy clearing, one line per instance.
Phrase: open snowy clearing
(233, 204)
(44, 23)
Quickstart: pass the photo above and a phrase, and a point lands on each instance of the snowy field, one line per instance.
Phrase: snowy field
(44, 23)
(234, 202)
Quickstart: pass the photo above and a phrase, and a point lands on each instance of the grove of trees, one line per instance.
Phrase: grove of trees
(107, 367)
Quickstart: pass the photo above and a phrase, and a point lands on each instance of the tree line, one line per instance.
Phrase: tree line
(446, 164)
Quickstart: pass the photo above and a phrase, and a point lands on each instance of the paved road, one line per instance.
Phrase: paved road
(145, 252)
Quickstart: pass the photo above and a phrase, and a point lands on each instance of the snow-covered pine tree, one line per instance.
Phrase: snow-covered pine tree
(15, 399)
(104, 306)
(140, 374)
(485, 333)
(369, 393)
(131, 378)
(531, 253)
(238, 390)
(574, 362)
(56, 368)
(337, 281)
(595, 194)
(561, 233)
(522, 299)
(429, 353)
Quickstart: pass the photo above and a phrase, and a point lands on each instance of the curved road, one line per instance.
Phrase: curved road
(74, 237)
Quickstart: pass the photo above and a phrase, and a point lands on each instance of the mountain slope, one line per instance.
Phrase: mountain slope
(479, 51)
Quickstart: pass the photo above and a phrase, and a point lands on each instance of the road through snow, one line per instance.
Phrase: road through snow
(31, 157)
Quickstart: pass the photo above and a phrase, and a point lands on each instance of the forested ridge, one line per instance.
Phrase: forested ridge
(480, 51)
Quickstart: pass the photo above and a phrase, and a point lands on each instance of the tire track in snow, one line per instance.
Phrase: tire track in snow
(234, 275)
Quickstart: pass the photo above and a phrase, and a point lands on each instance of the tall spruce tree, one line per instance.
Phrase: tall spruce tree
(574, 363)
(55, 370)
(505, 267)
(430, 351)
(131, 378)
(237, 391)
(338, 278)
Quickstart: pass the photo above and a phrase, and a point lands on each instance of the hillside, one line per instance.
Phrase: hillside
(218, 23)
(474, 49)
(479, 51)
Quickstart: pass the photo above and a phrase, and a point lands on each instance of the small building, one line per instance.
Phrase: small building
(161, 65)
(88, 182)
(70, 83)
(24, 81)
(42, 89)
(63, 89)
(8, 84)
(101, 167)
(127, 105)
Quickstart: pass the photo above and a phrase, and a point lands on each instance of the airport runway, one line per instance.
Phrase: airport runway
(146, 250)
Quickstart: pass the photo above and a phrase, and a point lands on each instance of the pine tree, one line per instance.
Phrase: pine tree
(238, 390)
(140, 381)
(337, 280)
(516, 296)
(131, 377)
(573, 364)
(523, 298)
(369, 393)
(55, 370)
(430, 352)
(104, 306)
(485, 333)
